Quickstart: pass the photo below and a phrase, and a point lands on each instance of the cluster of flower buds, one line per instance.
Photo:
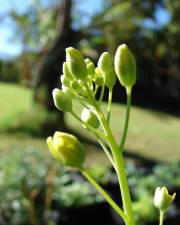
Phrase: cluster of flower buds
(81, 81)
(78, 71)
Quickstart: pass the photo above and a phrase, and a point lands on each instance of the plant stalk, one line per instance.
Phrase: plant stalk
(120, 169)
(104, 194)
(118, 157)
(124, 135)
(161, 217)
(109, 105)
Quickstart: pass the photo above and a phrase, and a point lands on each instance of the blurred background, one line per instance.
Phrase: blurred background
(33, 38)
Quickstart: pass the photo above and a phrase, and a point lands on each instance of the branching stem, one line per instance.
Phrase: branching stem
(106, 151)
(92, 129)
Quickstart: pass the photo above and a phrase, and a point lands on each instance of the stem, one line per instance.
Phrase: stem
(118, 158)
(92, 129)
(77, 96)
(102, 94)
(90, 95)
(104, 194)
(120, 169)
(161, 217)
(106, 151)
(128, 91)
(109, 105)
(95, 91)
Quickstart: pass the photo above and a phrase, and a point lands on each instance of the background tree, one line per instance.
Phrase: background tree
(49, 71)
(31, 28)
(44, 32)
(138, 24)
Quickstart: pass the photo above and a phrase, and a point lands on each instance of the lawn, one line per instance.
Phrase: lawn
(151, 134)
(14, 102)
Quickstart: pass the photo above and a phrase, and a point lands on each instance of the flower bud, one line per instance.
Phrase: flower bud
(75, 85)
(65, 81)
(62, 100)
(66, 149)
(162, 199)
(76, 63)
(89, 118)
(87, 61)
(67, 72)
(125, 66)
(68, 91)
(107, 69)
(98, 77)
(91, 69)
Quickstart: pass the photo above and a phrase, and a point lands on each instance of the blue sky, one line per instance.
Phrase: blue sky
(10, 48)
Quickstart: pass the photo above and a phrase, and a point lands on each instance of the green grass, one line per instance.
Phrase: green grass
(19, 113)
(14, 101)
(151, 134)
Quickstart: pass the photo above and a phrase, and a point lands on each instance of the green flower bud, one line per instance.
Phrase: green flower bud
(107, 69)
(75, 85)
(66, 149)
(98, 77)
(99, 81)
(67, 72)
(68, 91)
(65, 81)
(62, 100)
(125, 66)
(76, 63)
(98, 72)
(87, 61)
(162, 199)
(91, 69)
(89, 118)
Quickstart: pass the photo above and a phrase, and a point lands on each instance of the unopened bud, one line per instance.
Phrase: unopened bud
(98, 77)
(66, 149)
(87, 61)
(62, 100)
(162, 199)
(67, 73)
(107, 69)
(89, 118)
(75, 85)
(76, 63)
(125, 66)
(91, 69)
(68, 91)
(65, 81)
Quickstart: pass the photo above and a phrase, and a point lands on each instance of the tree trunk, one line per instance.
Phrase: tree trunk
(51, 67)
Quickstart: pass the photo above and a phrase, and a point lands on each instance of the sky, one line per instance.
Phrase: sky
(9, 47)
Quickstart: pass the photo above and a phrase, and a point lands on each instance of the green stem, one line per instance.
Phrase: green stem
(128, 91)
(90, 95)
(118, 159)
(109, 105)
(104, 194)
(161, 218)
(95, 91)
(120, 169)
(92, 129)
(106, 150)
(102, 94)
